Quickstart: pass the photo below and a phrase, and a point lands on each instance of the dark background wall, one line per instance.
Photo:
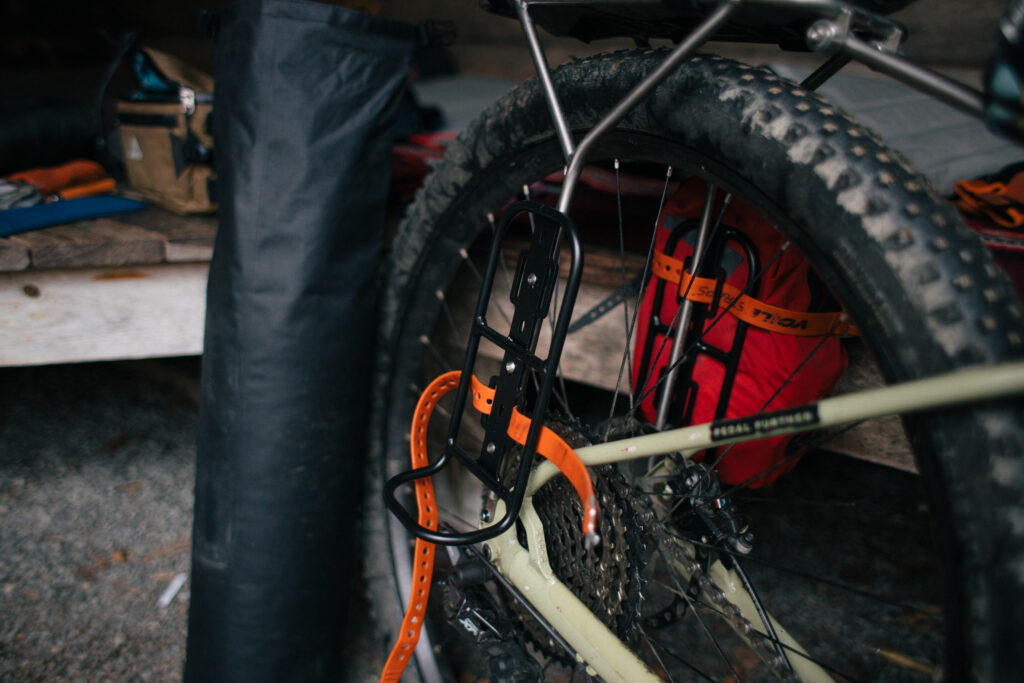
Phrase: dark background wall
(958, 33)
(66, 34)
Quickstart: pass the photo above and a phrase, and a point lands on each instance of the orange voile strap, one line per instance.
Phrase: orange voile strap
(423, 558)
(747, 308)
(550, 445)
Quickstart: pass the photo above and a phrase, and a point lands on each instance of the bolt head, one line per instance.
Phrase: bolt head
(822, 34)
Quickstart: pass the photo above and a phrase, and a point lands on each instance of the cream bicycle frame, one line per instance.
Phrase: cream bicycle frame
(529, 571)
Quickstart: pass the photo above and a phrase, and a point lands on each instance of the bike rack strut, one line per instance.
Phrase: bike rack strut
(533, 284)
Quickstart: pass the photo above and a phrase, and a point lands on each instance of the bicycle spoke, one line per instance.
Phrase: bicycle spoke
(454, 515)
(693, 610)
(654, 651)
(790, 459)
(559, 375)
(492, 223)
(754, 559)
(788, 648)
(627, 359)
(665, 648)
(436, 354)
(644, 278)
(447, 311)
(785, 383)
(480, 279)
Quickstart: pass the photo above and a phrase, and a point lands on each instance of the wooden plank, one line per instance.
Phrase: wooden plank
(588, 353)
(186, 238)
(98, 242)
(87, 314)
(881, 441)
(13, 256)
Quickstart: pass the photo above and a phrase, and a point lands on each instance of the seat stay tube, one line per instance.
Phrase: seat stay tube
(540, 64)
(677, 56)
(576, 156)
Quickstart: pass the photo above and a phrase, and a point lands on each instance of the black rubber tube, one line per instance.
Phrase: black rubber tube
(305, 104)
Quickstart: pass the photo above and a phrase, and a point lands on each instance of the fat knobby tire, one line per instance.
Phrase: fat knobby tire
(918, 283)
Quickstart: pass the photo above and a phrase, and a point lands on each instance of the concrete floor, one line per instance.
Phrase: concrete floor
(96, 468)
(96, 475)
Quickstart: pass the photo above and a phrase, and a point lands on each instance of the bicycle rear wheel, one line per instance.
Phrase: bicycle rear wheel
(921, 289)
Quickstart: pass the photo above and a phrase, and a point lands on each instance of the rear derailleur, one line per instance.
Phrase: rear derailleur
(706, 516)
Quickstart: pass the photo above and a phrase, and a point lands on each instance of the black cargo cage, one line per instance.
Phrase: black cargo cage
(674, 19)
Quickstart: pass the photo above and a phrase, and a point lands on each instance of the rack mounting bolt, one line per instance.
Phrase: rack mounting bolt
(822, 34)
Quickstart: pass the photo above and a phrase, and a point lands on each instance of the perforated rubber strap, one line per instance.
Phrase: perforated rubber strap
(550, 445)
(423, 555)
(747, 308)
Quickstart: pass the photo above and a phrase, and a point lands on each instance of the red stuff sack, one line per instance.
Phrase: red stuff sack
(779, 368)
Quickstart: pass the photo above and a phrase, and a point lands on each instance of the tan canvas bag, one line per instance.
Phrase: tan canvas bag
(167, 144)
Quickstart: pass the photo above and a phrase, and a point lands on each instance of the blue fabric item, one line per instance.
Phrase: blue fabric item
(14, 221)
(150, 78)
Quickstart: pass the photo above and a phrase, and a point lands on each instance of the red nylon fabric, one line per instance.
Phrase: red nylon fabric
(769, 358)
